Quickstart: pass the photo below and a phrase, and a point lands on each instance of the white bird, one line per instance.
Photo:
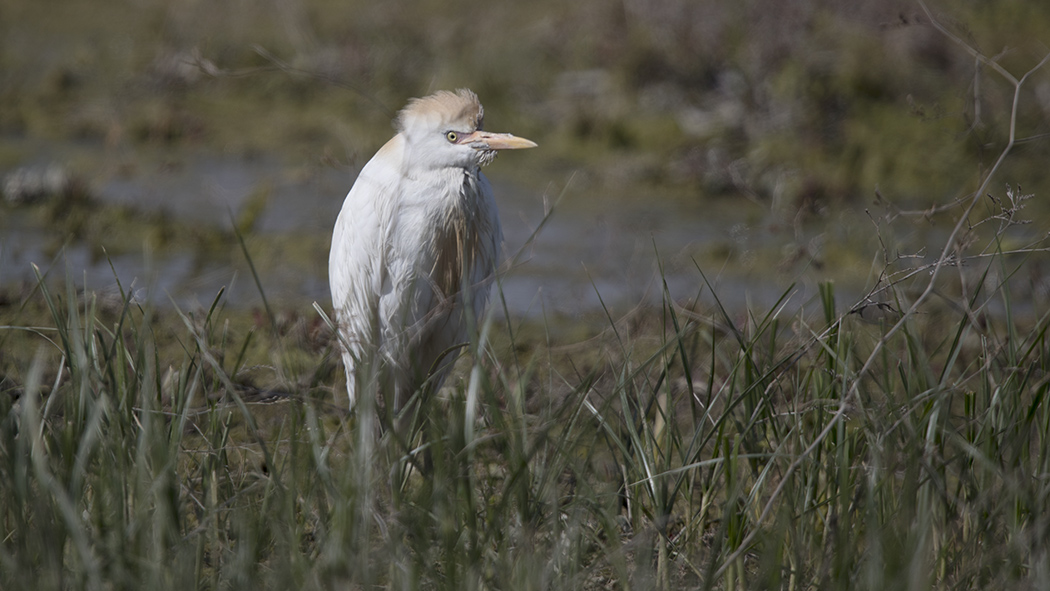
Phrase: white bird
(415, 248)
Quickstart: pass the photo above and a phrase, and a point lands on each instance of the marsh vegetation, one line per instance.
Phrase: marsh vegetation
(888, 428)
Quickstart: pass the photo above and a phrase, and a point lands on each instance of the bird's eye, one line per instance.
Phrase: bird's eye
(452, 136)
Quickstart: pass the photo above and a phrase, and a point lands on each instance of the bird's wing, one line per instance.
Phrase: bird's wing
(357, 266)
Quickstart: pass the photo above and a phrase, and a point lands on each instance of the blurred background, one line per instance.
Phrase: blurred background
(771, 145)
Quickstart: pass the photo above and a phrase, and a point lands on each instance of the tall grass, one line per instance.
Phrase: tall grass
(897, 443)
(683, 450)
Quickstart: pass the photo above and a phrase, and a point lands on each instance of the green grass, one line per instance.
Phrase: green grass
(678, 448)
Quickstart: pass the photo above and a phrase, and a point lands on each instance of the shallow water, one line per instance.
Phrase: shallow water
(596, 250)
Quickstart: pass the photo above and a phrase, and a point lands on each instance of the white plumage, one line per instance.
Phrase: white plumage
(415, 247)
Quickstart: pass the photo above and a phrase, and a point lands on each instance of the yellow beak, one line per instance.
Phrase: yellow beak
(498, 141)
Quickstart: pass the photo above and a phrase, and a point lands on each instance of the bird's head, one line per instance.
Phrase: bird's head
(445, 130)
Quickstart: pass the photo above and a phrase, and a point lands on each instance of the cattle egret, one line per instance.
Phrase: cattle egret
(415, 247)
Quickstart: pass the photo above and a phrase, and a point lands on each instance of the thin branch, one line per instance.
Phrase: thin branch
(990, 62)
